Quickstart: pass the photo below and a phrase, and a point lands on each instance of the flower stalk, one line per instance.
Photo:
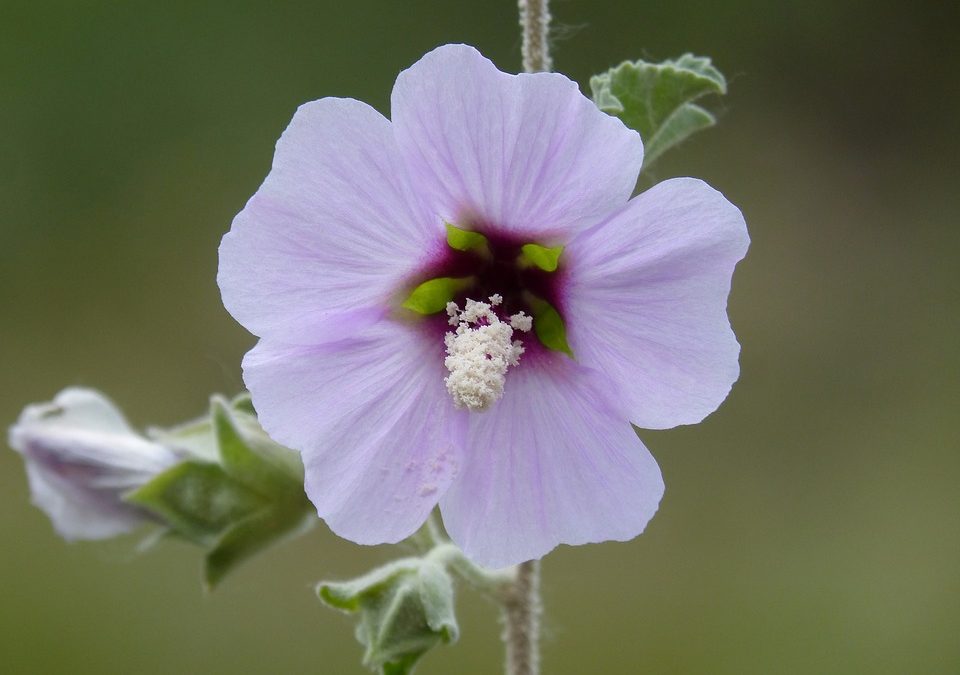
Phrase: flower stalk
(521, 609)
(520, 603)
(516, 589)
(535, 20)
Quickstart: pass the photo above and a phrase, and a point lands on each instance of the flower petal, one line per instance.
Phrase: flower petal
(525, 153)
(83, 427)
(331, 232)
(647, 301)
(77, 407)
(372, 421)
(77, 513)
(552, 463)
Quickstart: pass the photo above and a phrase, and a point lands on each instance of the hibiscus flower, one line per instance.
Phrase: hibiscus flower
(463, 306)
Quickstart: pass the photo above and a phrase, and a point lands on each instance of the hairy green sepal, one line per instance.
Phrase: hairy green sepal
(404, 608)
(432, 295)
(656, 99)
(236, 493)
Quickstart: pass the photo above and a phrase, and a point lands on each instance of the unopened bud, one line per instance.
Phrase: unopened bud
(81, 457)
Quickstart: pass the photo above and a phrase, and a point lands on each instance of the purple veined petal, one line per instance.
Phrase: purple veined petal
(331, 233)
(647, 301)
(526, 153)
(554, 462)
(378, 434)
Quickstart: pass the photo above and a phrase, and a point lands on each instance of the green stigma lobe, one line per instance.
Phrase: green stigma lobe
(545, 258)
(432, 295)
(465, 240)
(549, 326)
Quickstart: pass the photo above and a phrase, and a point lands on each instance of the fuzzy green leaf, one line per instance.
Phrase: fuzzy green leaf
(243, 403)
(436, 594)
(347, 595)
(240, 492)
(405, 608)
(656, 99)
(253, 534)
(255, 462)
(196, 500)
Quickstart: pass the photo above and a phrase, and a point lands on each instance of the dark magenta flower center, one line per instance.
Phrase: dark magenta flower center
(500, 267)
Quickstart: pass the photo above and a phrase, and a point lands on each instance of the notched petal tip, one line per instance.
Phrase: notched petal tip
(566, 162)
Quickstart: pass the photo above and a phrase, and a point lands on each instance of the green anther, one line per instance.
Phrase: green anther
(545, 258)
(432, 295)
(465, 240)
(549, 326)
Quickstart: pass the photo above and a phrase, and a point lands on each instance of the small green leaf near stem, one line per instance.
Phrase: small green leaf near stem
(656, 99)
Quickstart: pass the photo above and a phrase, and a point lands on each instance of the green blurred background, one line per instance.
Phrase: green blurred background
(809, 526)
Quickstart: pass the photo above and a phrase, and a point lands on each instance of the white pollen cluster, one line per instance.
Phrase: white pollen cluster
(480, 351)
(521, 322)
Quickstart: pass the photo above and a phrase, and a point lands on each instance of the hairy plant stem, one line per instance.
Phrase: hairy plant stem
(535, 20)
(521, 610)
(515, 589)
(520, 599)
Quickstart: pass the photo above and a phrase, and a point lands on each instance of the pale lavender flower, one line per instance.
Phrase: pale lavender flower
(81, 456)
(394, 412)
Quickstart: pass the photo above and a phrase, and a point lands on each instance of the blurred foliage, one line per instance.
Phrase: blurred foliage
(811, 525)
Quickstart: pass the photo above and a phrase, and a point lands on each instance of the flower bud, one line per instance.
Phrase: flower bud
(81, 457)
